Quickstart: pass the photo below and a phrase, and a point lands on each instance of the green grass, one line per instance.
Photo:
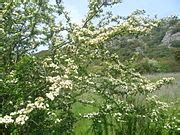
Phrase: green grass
(82, 126)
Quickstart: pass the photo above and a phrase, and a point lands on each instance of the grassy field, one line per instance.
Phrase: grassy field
(166, 93)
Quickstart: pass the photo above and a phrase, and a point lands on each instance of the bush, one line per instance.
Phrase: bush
(176, 28)
(177, 54)
(175, 43)
(159, 51)
(147, 65)
(170, 64)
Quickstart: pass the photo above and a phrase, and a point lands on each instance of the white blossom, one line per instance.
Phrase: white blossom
(21, 119)
(50, 96)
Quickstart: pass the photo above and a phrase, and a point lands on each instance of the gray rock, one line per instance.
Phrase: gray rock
(175, 36)
(169, 38)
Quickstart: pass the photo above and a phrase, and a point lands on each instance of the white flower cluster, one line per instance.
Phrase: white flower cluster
(86, 101)
(134, 24)
(150, 87)
(48, 63)
(54, 117)
(58, 83)
(165, 80)
(108, 107)
(58, 120)
(6, 119)
(54, 66)
(172, 124)
(143, 85)
(21, 119)
(20, 116)
(118, 116)
(91, 115)
(154, 115)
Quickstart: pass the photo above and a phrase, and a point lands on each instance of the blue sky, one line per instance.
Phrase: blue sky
(161, 8)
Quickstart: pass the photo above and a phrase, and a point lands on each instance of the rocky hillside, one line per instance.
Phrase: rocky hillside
(172, 35)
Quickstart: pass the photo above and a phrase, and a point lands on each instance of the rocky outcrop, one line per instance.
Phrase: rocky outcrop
(175, 36)
(169, 38)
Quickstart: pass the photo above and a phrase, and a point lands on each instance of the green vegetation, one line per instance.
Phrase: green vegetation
(153, 55)
(168, 93)
(88, 81)
(177, 54)
(175, 44)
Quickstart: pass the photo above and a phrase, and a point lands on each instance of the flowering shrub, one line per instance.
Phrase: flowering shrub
(39, 93)
(148, 66)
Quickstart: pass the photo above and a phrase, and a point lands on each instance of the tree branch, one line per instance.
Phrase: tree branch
(88, 19)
